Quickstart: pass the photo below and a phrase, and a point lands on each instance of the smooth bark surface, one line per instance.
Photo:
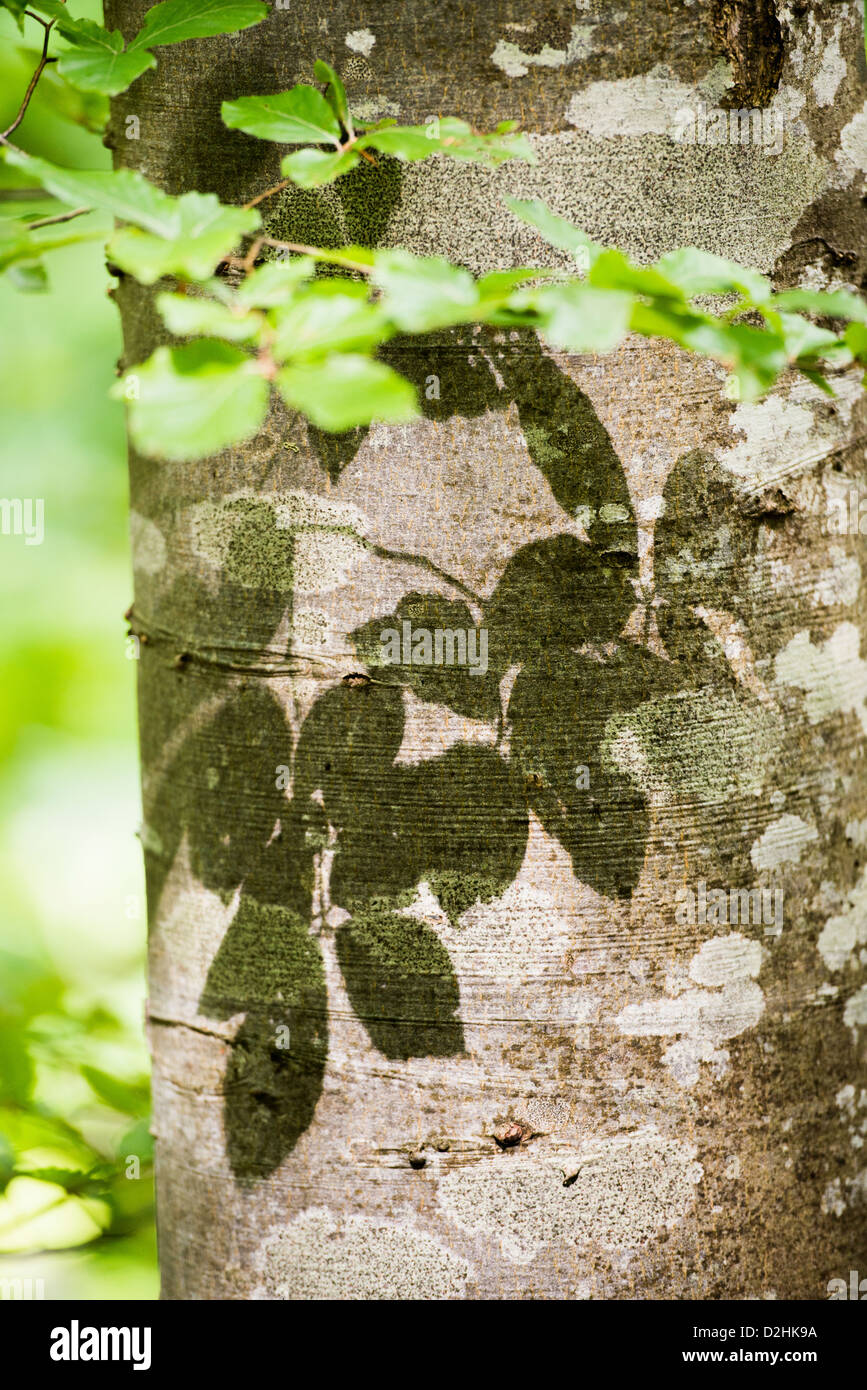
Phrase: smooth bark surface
(433, 1012)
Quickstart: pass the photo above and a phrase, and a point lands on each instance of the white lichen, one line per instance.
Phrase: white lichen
(843, 933)
(833, 674)
(320, 1255)
(360, 41)
(621, 1192)
(783, 842)
(727, 1004)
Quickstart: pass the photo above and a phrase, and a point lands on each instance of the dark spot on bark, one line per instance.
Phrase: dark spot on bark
(551, 29)
(417, 1160)
(770, 505)
(752, 39)
(831, 233)
(813, 251)
(265, 1098)
(511, 1133)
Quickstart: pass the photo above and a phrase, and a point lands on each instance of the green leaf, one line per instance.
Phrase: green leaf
(329, 316)
(423, 293)
(311, 168)
(611, 270)
(755, 356)
(71, 1179)
(206, 232)
(803, 339)
(499, 283)
(16, 1068)
(403, 142)
(130, 1098)
(190, 317)
(345, 390)
(87, 109)
(275, 282)
(137, 1140)
(335, 93)
(188, 402)
(7, 1162)
(176, 20)
(184, 236)
(817, 379)
(28, 277)
(582, 318)
(555, 230)
(297, 117)
(699, 272)
(855, 338)
(42, 1215)
(16, 8)
(20, 243)
(832, 304)
(26, 1130)
(451, 137)
(97, 61)
(129, 196)
(65, 22)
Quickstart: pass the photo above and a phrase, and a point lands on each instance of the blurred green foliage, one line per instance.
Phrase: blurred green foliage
(76, 1189)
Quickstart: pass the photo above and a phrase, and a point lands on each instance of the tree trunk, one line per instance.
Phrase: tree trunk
(462, 981)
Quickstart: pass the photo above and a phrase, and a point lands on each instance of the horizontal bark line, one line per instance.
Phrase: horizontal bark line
(791, 1001)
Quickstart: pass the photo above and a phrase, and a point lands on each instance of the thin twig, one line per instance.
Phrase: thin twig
(269, 193)
(408, 557)
(46, 23)
(332, 257)
(249, 260)
(59, 217)
(31, 86)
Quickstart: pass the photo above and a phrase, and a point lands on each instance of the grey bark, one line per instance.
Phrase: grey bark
(432, 1020)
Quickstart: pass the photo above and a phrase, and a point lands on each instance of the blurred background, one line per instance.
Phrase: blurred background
(76, 1188)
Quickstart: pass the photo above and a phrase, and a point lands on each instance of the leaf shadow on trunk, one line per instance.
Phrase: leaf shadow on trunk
(459, 821)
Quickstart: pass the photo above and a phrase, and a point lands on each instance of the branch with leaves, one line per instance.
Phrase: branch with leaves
(291, 328)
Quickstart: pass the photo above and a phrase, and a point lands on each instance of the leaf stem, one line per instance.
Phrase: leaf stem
(31, 86)
(332, 257)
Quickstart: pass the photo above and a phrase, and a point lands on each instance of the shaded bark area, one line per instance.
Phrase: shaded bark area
(752, 39)
(433, 1013)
